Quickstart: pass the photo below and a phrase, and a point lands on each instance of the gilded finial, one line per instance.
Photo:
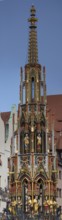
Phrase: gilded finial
(32, 19)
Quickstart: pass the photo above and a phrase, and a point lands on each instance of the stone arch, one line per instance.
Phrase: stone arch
(25, 179)
(24, 176)
(40, 182)
(42, 176)
(25, 182)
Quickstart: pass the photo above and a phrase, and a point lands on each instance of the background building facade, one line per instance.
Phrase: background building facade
(6, 132)
(55, 107)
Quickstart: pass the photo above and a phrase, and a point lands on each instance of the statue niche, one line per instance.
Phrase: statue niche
(26, 142)
(39, 141)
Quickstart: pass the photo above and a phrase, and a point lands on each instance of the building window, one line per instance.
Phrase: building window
(29, 108)
(8, 182)
(0, 202)
(6, 131)
(0, 161)
(61, 155)
(32, 87)
(22, 142)
(35, 108)
(0, 181)
(23, 94)
(59, 193)
(59, 174)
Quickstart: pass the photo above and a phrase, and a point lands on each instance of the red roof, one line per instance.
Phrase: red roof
(54, 104)
(5, 116)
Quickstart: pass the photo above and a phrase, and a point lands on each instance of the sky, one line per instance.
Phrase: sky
(14, 34)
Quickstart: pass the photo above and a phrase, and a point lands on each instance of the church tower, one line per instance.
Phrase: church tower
(32, 165)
